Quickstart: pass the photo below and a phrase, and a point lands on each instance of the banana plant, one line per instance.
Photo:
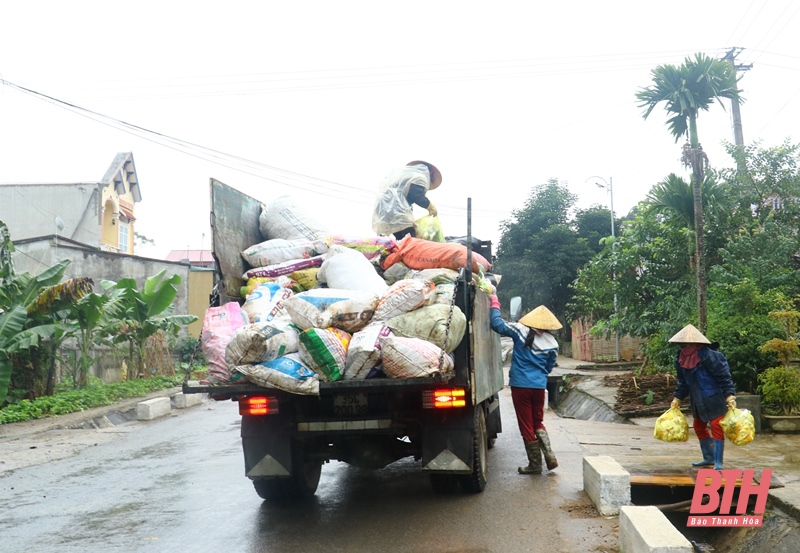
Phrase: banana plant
(134, 315)
(18, 331)
(55, 316)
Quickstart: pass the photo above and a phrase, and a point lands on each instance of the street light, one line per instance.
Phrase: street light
(610, 187)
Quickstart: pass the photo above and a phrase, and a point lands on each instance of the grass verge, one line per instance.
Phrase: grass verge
(94, 395)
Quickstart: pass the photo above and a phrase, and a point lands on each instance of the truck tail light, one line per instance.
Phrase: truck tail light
(445, 398)
(258, 405)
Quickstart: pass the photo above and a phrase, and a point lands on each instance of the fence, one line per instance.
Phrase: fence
(598, 349)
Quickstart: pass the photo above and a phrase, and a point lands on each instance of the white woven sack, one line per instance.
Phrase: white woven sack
(348, 269)
(437, 276)
(444, 294)
(364, 351)
(404, 296)
(278, 250)
(349, 310)
(412, 358)
(265, 303)
(285, 219)
(256, 343)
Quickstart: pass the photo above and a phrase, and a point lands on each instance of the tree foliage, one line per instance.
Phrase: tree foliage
(686, 90)
(39, 312)
(753, 252)
(138, 314)
(542, 247)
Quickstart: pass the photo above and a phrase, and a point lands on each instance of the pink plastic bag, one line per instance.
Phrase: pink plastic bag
(219, 325)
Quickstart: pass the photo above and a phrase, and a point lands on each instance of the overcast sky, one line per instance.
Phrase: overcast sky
(319, 100)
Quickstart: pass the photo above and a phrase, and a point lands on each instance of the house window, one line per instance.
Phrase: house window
(123, 236)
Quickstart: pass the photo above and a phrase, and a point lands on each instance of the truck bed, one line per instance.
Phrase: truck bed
(374, 384)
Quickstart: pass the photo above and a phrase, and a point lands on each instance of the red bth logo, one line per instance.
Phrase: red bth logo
(708, 484)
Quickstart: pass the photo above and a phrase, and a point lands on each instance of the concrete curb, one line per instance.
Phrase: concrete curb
(606, 483)
(787, 499)
(647, 530)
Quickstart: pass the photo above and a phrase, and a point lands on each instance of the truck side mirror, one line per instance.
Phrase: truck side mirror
(516, 308)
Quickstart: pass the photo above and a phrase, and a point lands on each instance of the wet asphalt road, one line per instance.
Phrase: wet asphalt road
(177, 484)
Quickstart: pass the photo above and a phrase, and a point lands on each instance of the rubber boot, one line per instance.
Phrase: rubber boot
(719, 452)
(707, 447)
(534, 459)
(549, 456)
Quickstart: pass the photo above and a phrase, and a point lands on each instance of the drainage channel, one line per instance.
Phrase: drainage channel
(672, 494)
(578, 404)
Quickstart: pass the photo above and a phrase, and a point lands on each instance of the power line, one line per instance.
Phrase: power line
(221, 158)
(785, 23)
(740, 21)
(752, 20)
(435, 73)
(288, 178)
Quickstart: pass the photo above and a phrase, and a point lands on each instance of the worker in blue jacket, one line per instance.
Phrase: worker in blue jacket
(704, 374)
(534, 356)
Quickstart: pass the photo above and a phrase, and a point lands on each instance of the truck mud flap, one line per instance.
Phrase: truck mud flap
(447, 444)
(267, 449)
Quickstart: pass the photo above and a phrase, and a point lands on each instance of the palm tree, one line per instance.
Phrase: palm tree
(686, 90)
(675, 196)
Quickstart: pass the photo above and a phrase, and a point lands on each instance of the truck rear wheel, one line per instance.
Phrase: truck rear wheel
(302, 484)
(273, 489)
(444, 484)
(306, 472)
(476, 482)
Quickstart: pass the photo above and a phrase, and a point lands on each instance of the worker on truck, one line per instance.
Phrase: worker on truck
(401, 189)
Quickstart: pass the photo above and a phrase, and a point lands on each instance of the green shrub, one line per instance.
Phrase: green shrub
(660, 354)
(780, 390)
(189, 352)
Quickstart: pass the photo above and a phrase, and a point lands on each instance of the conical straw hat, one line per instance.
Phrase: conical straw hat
(436, 175)
(689, 335)
(541, 318)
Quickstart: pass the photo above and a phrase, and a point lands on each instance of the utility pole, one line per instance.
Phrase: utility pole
(738, 136)
(610, 187)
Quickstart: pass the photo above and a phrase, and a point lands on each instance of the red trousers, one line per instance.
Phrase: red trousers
(701, 428)
(529, 406)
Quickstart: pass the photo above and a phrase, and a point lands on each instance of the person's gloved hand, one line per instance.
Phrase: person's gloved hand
(676, 404)
(495, 303)
(432, 210)
(731, 401)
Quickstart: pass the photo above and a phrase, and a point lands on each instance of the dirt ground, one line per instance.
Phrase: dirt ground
(642, 395)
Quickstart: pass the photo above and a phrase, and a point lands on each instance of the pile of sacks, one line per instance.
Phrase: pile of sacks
(321, 306)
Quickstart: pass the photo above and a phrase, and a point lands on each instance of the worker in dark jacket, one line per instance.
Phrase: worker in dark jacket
(535, 354)
(704, 375)
(398, 192)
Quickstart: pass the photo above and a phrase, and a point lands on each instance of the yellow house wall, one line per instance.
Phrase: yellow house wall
(110, 233)
(200, 286)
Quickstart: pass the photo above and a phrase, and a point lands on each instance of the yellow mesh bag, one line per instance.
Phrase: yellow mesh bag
(672, 426)
(739, 426)
(429, 228)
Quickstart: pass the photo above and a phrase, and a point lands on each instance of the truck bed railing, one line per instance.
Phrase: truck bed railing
(371, 385)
